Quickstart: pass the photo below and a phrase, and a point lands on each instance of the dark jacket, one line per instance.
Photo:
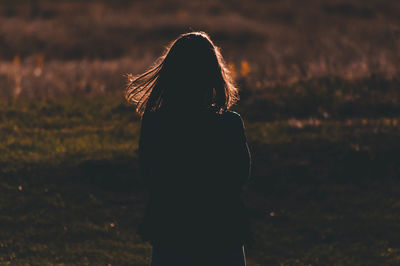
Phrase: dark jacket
(195, 165)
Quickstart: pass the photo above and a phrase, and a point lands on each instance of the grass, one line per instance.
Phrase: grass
(323, 191)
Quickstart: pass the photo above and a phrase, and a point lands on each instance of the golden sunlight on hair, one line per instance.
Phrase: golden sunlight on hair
(191, 73)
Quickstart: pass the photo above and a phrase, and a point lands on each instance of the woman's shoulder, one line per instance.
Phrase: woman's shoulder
(234, 124)
(230, 120)
(231, 116)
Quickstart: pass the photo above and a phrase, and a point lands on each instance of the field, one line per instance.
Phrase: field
(320, 98)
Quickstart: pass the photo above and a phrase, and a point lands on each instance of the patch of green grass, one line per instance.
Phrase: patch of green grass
(322, 192)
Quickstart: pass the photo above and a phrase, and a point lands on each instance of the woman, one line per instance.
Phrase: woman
(193, 155)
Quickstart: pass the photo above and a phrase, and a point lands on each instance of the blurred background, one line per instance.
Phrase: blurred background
(320, 96)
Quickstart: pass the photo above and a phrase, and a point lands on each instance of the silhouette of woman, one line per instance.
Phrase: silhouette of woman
(193, 155)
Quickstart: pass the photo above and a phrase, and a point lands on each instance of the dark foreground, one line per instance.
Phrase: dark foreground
(323, 191)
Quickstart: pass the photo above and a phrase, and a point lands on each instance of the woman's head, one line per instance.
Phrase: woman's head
(191, 74)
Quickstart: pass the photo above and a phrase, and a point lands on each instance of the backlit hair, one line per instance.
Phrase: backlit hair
(190, 74)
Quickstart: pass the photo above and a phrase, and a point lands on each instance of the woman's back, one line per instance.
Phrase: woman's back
(193, 154)
(195, 166)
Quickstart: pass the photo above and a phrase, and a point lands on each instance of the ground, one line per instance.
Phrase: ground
(323, 191)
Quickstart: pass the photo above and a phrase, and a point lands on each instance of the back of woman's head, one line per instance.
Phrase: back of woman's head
(191, 74)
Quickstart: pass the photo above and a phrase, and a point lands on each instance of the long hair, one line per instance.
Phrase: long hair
(190, 74)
